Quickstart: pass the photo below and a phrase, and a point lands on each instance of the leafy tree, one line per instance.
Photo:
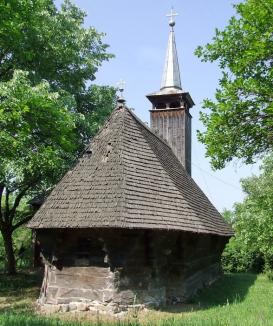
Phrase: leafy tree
(48, 112)
(23, 252)
(54, 45)
(255, 214)
(252, 246)
(38, 142)
(238, 258)
(95, 105)
(229, 216)
(240, 121)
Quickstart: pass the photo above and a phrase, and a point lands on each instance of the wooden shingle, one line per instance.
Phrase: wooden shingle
(129, 178)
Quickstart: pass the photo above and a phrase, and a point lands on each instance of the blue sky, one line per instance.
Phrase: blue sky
(137, 32)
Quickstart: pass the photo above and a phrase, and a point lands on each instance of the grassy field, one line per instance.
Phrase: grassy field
(236, 299)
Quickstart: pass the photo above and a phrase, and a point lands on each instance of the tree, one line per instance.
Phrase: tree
(54, 45)
(240, 121)
(255, 214)
(51, 44)
(38, 141)
(48, 108)
(253, 223)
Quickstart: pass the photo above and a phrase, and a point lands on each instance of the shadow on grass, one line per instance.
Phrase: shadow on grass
(231, 288)
(20, 281)
(18, 293)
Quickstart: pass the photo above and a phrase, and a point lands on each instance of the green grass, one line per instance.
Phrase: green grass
(235, 300)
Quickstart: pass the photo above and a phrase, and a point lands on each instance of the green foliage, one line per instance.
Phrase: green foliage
(240, 121)
(38, 142)
(269, 275)
(255, 214)
(237, 257)
(47, 111)
(52, 44)
(37, 132)
(252, 246)
(228, 216)
(22, 241)
(95, 105)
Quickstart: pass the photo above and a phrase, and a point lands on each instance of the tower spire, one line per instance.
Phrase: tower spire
(170, 115)
(171, 73)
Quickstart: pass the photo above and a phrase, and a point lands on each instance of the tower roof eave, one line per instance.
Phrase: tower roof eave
(169, 92)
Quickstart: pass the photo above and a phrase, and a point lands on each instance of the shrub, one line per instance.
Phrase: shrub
(237, 257)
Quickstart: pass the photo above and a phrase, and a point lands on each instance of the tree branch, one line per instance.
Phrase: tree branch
(23, 221)
(17, 202)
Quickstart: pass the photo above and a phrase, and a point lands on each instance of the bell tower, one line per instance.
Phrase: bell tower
(170, 116)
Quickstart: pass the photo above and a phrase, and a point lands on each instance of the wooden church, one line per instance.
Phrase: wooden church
(128, 226)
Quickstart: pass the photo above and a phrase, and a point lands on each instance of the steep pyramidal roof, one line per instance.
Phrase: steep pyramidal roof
(129, 178)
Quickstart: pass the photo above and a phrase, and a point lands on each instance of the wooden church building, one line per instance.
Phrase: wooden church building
(128, 226)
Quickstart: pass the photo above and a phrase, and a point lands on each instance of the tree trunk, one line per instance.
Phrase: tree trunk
(11, 263)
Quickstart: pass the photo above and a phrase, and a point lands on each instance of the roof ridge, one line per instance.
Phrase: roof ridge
(123, 182)
(105, 124)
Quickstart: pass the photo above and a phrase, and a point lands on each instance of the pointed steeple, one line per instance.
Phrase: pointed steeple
(171, 73)
(170, 113)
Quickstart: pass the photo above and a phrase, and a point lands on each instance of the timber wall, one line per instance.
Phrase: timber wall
(113, 270)
(174, 126)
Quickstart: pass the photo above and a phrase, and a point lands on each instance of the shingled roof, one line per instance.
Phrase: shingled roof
(129, 178)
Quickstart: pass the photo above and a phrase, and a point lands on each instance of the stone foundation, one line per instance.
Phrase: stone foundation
(115, 271)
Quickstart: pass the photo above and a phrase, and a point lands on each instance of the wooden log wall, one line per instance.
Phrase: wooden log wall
(115, 269)
(174, 126)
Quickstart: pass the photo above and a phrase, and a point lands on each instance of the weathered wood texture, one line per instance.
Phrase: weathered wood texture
(174, 126)
(129, 178)
(171, 120)
(115, 269)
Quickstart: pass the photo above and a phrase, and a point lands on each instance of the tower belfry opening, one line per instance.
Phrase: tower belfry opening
(170, 116)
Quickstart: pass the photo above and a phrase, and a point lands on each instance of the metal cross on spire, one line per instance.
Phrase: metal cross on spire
(172, 14)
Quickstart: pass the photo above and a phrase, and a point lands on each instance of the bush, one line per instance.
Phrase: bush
(251, 249)
(269, 275)
(237, 257)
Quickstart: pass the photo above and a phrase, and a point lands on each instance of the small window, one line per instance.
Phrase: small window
(175, 104)
(161, 106)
